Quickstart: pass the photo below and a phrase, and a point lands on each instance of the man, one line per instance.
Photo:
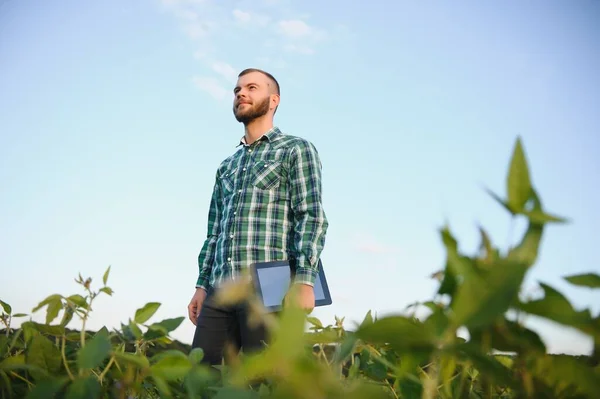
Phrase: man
(266, 206)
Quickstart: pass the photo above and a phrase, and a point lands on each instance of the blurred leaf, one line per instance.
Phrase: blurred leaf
(168, 325)
(508, 336)
(315, 322)
(47, 388)
(135, 330)
(105, 277)
(554, 306)
(197, 380)
(7, 308)
(20, 315)
(196, 355)
(518, 183)
(138, 360)
(346, 349)
(46, 301)
(497, 198)
(107, 290)
(78, 300)
(54, 307)
(44, 354)
(402, 333)
(94, 352)
(57, 331)
(591, 280)
(171, 367)
(540, 217)
(143, 314)
(527, 251)
(67, 316)
(84, 388)
(558, 371)
(482, 298)
(484, 364)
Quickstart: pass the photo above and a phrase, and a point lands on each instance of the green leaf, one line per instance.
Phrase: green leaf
(168, 325)
(560, 371)
(554, 306)
(47, 388)
(54, 307)
(483, 298)
(94, 352)
(7, 308)
(105, 277)
(84, 388)
(138, 360)
(107, 290)
(196, 355)
(57, 331)
(46, 301)
(483, 363)
(171, 367)
(402, 333)
(591, 280)
(315, 322)
(197, 380)
(135, 330)
(508, 336)
(67, 316)
(78, 300)
(499, 200)
(143, 314)
(540, 217)
(43, 354)
(19, 315)
(345, 350)
(518, 181)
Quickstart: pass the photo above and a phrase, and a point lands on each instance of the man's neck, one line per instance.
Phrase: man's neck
(255, 129)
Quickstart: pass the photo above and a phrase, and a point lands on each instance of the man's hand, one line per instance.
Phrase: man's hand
(196, 304)
(303, 296)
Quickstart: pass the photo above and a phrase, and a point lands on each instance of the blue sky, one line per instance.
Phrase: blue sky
(114, 116)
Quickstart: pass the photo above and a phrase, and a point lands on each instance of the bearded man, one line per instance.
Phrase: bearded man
(266, 206)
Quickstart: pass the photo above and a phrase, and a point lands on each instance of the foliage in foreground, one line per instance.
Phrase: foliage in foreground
(397, 356)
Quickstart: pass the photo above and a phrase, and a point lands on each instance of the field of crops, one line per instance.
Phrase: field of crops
(391, 357)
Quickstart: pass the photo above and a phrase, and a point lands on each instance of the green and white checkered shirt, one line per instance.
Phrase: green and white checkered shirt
(266, 206)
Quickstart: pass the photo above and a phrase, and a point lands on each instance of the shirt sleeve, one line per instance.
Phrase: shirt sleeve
(310, 221)
(207, 253)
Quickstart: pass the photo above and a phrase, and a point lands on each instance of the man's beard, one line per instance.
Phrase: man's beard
(255, 111)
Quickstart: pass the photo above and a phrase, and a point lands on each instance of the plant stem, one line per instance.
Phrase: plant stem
(65, 359)
(29, 384)
(430, 385)
(84, 319)
(110, 362)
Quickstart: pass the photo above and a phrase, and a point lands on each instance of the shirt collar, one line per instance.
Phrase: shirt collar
(269, 136)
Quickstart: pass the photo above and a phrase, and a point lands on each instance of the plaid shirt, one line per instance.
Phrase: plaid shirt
(266, 206)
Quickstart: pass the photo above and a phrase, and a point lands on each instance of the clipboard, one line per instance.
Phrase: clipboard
(272, 280)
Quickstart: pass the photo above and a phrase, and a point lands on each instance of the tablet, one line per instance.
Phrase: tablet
(272, 281)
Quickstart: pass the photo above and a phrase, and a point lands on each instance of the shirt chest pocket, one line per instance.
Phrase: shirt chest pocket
(268, 175)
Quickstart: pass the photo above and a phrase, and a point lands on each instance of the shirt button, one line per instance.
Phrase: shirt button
(234, 213)
(228, 259)
(244, 169)
(231, 236)
(239, 191)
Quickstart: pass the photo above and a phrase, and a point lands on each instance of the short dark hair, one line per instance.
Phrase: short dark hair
(267, 74)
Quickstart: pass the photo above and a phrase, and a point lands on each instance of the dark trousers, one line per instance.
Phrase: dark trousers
(219, 325)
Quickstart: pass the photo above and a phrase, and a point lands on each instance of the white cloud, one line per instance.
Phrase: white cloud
(211, 86)
(300, 49)
(295, 28)
(242, 16)
(225, 70)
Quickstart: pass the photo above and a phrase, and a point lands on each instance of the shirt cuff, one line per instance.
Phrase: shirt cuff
(305, 274)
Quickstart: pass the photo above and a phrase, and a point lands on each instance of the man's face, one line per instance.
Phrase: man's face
(252, 97)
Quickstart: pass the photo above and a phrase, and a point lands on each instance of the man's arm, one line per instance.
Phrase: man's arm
(310, 222)
(207, 254)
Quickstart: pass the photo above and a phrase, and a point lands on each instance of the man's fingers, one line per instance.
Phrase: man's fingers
(192, 314)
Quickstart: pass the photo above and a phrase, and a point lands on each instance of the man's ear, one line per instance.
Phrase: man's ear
(275, 100)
